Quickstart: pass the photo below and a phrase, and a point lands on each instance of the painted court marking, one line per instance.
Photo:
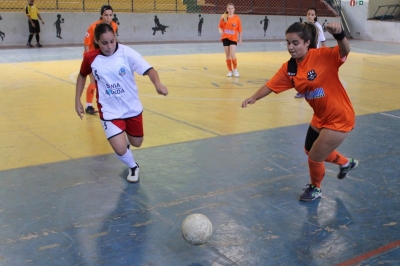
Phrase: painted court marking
(371, 254)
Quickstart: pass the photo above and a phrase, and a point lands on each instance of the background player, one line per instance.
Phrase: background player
(312, 18)
(34, 27)
(106, 13)
(230, 29)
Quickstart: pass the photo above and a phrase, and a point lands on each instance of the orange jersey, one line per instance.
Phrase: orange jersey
(317, 79)
(231, 28)
(89, 38)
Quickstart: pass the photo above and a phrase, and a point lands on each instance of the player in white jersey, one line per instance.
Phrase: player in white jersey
(312, 18)
(113, 67)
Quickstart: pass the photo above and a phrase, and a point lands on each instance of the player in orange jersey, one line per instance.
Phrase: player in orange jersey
(314, 73)
(106, 12)
(230, 29)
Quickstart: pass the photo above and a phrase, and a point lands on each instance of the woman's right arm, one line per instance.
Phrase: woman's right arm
(80, 86)
(259, 94)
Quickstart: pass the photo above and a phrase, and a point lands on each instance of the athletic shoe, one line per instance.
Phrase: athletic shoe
(311, 193)
(38, 45)
(229, 74)
(29, 45)
(299, 95)
(235, 73)
(353, 163)
(90, 110)
(133, 175)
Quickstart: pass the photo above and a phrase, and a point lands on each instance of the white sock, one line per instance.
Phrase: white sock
(346, 164)
(127, 159)
(88, 104)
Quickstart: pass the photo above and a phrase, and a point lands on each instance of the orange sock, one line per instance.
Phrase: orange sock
(336, 158)
(317, 172)
(229, 64)
(234, 62)
(90, 93)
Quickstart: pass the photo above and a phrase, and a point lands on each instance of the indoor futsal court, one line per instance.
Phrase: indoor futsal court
(65, 199)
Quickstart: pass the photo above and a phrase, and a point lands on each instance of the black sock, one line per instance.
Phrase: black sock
(37, 38)
(30, 38)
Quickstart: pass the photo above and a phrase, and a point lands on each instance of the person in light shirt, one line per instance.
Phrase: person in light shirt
(113, 66)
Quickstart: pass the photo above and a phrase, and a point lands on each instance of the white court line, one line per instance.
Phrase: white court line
(73, 76)
(395, 116)
(213, 99)
(369, 51)
(73, 48)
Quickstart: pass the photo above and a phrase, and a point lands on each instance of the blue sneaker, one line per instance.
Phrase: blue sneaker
(311, 193)
(353, 163)
(299, 95)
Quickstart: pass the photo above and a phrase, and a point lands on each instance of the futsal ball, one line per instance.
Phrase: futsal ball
(196, 229)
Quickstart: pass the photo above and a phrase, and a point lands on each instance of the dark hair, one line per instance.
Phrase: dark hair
(313, 8)
(306, 31)
(101, 29)
(104, 8)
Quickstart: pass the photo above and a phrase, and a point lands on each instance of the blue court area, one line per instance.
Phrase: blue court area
(244, 172)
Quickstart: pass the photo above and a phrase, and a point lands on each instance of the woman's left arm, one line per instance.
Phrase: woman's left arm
(155, 79)
(337, 32)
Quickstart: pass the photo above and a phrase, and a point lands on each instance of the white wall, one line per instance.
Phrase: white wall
(137, 28)
(363, 28)
(382, 31)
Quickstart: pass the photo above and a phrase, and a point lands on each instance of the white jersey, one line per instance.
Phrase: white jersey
(321, 36)
(117, 93)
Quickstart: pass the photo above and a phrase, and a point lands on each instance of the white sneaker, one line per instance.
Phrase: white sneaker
(229, 74)
(133, 175)
(235, 73)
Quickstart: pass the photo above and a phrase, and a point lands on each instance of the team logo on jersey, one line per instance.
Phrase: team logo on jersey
(311, 75)
(122, 71)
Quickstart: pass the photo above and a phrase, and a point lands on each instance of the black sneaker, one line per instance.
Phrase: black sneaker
(353, 163)
(90, 110)
(38, 45)
(29, 45)
(311, 193)
(133, 175)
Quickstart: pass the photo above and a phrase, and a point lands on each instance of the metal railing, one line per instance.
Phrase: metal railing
(263, 7)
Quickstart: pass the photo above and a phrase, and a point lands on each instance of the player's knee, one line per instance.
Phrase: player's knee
(137, 142)
(120, 152)
(306, 151)
(137, 145)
